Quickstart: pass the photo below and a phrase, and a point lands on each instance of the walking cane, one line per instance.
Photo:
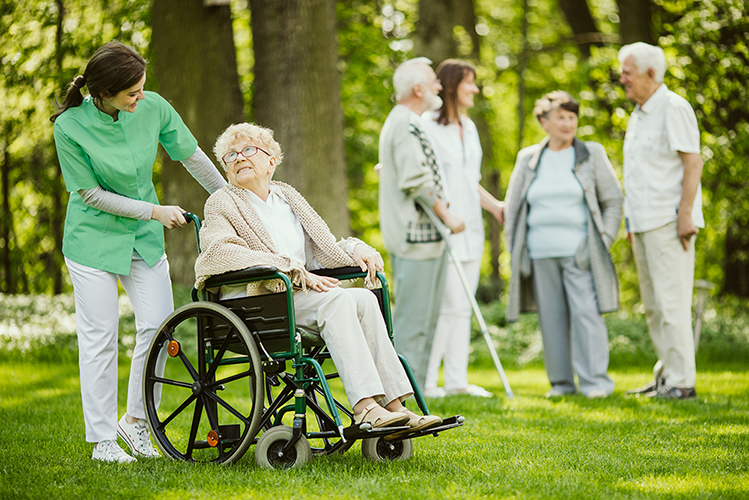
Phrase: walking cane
(445, 232)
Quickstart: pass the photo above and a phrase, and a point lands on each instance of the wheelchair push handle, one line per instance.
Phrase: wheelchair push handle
(191, 217)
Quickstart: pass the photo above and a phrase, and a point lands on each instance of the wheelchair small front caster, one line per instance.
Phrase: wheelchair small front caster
(269, 452)
(379, 449)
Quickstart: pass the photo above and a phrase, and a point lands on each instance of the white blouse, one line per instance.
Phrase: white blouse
(461, 164)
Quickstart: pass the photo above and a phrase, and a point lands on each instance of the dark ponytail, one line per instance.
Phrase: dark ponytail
(112, 69)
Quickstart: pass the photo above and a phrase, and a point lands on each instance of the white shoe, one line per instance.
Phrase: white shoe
(137, 438)
(556, 392)
(597, 394)
(434, 392)
(472, 390)
(110, 451)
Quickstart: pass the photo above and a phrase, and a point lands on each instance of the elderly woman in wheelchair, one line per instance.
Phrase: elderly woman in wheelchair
(256, 221)
(261, 238)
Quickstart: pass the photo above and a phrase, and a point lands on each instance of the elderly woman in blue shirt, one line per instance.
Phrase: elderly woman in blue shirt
(563, 212)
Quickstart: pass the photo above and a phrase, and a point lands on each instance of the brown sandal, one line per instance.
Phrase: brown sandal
(386, 419)
(415, 422)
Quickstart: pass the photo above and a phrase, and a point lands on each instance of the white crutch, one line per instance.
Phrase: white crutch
(445, 232)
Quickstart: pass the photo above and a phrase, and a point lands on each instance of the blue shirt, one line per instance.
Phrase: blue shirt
(557, 214)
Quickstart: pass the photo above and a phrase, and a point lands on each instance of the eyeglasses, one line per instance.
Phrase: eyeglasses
(247, 152)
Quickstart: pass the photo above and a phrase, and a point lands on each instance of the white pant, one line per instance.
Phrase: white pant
(452, 337)
(97, 316)
(666, 273)
(351, 324)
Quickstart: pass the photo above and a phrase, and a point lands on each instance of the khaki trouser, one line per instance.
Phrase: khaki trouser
(666, 273)
(351, 324)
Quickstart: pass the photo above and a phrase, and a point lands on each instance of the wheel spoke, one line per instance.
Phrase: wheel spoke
(188, 365)
(194, 429)
(176, 412)
(227, 407)
(231, 378)
(201, 347)
(217, 358)
(166, 381)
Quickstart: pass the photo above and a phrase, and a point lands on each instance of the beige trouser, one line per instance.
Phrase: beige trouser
(351, 324)
(666, 273)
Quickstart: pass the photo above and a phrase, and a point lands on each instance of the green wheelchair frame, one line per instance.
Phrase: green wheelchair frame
(213, 363)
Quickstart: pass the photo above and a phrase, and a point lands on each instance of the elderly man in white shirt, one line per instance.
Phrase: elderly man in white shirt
(662, 209)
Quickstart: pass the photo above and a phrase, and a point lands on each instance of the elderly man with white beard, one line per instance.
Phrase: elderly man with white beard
(409, 172)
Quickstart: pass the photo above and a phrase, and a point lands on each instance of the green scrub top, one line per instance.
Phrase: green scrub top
(94, 150)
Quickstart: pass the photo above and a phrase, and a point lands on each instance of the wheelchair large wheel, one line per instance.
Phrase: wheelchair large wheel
(202, 385)
(269, 452)
(379, 449)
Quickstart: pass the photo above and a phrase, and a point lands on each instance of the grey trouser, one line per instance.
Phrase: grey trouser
(419, 286)
(574, 333)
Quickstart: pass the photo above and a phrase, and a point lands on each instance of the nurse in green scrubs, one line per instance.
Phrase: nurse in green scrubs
(107, 144)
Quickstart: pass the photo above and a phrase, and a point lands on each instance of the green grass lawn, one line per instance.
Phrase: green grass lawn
(527, 447)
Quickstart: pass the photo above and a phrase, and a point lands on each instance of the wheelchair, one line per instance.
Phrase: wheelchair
(239, 372)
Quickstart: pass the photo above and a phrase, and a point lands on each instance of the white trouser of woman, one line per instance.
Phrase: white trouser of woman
(97, 316)
(453, 335)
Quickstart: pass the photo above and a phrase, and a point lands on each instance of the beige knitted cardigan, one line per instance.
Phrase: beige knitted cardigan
(233, 237)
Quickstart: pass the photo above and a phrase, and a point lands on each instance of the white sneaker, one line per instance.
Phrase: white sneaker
(434, 392)
(472, 390)
(137, 438)
(597, 394)
(110, 451)
(556, 392)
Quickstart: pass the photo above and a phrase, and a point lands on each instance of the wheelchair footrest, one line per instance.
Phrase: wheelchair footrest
(365, 431)
(448, 423)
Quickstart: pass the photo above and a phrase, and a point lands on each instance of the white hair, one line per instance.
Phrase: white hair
(409, 74)
(646, 57)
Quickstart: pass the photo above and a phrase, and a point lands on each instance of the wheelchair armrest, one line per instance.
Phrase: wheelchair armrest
(249, 274)
(340, 271)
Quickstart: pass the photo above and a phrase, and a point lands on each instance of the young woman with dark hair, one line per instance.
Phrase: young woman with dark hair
(459, 150)
(107, 143)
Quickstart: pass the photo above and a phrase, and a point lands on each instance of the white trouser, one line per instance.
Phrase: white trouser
(666, 273)
(97, 316)
(452, 338)
(351, 324)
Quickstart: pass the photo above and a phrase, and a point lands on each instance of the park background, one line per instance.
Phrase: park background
(319, 73)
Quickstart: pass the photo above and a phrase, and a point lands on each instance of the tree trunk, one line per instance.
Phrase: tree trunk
(522, 65)
(736, 259)
(582, 24)
(57, 215)
(297, 94)
(6, 220)
(196, 70)
(635, 21)
(434, 30)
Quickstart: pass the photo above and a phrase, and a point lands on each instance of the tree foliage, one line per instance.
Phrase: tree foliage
(527, 48)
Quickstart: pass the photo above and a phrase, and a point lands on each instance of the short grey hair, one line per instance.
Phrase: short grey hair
(409, 74)
(646, 57)
(249, 134)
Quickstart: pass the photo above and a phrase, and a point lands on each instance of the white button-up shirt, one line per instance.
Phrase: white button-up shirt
(461, 165)
(653, 170)
(287, 232)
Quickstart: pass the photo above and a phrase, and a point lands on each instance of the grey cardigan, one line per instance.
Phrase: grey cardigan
(603, 196)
